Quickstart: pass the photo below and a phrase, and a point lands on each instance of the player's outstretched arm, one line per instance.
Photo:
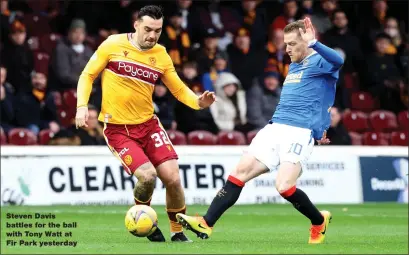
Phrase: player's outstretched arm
(330, 55)
(95, 65)
(186, 95)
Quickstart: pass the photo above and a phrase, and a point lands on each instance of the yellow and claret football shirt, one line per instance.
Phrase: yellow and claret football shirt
(129, 76)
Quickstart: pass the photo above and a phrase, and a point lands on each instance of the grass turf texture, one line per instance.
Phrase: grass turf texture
(273, 228)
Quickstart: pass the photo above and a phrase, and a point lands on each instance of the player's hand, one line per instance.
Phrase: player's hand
(206, 99)
(309, 33)
(81, 118)
(324, 139)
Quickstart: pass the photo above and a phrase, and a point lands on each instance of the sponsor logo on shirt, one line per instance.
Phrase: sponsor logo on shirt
(294, 77)
(134, 70)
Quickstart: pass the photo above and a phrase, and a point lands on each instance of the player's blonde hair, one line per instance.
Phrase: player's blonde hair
(294, 26)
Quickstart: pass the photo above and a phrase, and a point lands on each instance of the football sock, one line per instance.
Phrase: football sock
(137, 202)
(224, 199)
(302, 203)
(175, 226)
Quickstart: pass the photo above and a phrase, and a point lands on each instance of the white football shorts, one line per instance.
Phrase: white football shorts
(277, 143)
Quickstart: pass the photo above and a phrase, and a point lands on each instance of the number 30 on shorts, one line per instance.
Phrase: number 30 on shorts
(295, 148)
(160, 139)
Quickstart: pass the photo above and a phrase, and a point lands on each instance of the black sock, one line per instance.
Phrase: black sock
(302, 203)
(224, 199)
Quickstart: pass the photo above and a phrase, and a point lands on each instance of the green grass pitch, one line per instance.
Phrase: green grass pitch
(268, 229)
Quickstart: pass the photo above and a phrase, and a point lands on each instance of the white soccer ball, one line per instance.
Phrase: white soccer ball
(141, 220)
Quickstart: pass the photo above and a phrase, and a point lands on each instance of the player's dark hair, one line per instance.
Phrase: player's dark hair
(153, 11)
(294, 26)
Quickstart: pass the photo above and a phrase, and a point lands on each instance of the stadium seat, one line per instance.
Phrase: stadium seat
(48, 42)
(362, 101)
(176, 137)
(22, 136)
(65, 118)
(351, 81)
(41, 61)
(355, 121)
(57, 99)
(403, 118)
(3, 137)
(201, 137)
(70, 100)
(383, 121)
(44, 136)
(400, 138)
(375, 138)
(36, 25)
(356, 138)
(251, 135)
(231, 138)
(34, 43)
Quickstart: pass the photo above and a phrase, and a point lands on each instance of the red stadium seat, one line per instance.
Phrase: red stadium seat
(34, 43)
(48, 42)
(66, 119)
(44, 136)
(231, 138)
(355, 121)
(251, 135)
(382, 121)
(57, 99)
(41, 61)
(22, 136)
(70, 100)
(3, 137)
(403, 119)
(201, 137)
(362, 101)
(351, 81)
(176, 137)
(400, 138)
(36, 25)
(375, 138)
(356, 138)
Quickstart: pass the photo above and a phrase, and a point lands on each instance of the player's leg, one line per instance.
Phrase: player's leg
(168, 172)
(161, 153)
(257, 161)
(136, 163)
(292, 157)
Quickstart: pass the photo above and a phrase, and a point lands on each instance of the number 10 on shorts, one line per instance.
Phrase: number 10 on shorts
(295, 148)
(160, 139)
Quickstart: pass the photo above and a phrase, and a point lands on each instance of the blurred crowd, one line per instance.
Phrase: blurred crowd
(234, 48)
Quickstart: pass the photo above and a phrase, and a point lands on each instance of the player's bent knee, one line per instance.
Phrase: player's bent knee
(146, 173)
(172, 182)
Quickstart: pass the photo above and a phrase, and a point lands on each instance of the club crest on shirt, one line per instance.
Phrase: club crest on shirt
(125, 53)
(152, 60)
(305, 62)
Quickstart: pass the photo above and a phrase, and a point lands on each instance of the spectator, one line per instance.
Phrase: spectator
(247, 61)
(254, 20)
(290, 10)
(222, 19)
(176, 40)
(205, 55)
(262, 99)
(307, 7)
(70, 57)
(229, 111)
(337, 133)
(17, 58)
(219, 66)
(276, 55)
(370, 26)
(190, 21)
(93, 134)
(383, 75)
(6, 102)
(36, 109)
(163, 103)
(321, 20)
(190, 76)
(392, 29)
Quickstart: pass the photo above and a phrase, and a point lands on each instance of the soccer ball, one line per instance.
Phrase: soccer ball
(141, 220)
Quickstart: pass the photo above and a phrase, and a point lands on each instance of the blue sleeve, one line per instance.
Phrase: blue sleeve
(330, 55)
(207, 82)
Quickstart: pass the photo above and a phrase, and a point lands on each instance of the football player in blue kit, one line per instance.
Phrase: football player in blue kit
(286, 142)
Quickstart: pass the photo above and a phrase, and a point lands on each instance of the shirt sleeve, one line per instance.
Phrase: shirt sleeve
(95, 65)
(330, 55)
(177, 87)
